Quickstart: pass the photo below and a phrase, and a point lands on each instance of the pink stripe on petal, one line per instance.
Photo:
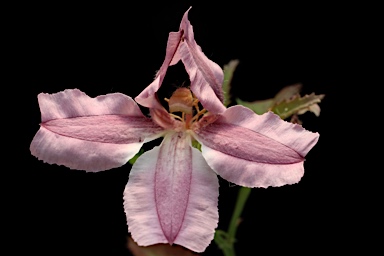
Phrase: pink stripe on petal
(252, 174)
(255, 151)
(80, 154)
(246, 144)
(172, 182)
(201, 217)
(181, 206)
(75, 103)
(114, 129)
(271, 125)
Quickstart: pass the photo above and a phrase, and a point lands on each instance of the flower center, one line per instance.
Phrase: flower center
(184, 106)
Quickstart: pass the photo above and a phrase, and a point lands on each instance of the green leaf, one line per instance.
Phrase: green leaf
(229, 69)
(298, 105)
(262, 106)
(259, 106)
(287, 102)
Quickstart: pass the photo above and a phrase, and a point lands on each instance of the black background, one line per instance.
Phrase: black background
(102, 49)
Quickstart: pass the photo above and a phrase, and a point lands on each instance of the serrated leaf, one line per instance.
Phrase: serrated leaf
(287, 102)
(262, 106)
(228, 70)
(297, 104)
(259, 106)
(287, 92)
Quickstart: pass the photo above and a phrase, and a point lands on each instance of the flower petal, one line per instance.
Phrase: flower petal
(205, 75)
(161, 117)
(147, 97)
(75, 103)
(171, 196)
(111, 132)
(255, 151)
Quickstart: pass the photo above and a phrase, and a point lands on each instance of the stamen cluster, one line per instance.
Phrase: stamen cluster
(186, 105)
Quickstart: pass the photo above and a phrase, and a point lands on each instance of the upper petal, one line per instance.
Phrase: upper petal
(111, 131)
(171, 196)
(255, 151)
(205, 75)
(147, 97)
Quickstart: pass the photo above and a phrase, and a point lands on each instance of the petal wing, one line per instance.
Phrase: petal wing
(74, 103)
(255, 151)
(205, 75)
(147, 97)
(171, 196)
(91, 134)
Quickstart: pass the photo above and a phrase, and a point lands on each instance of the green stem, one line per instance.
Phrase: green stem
(240, 203)
(226, 240)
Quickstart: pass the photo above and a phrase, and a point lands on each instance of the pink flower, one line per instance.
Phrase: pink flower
(172, 192)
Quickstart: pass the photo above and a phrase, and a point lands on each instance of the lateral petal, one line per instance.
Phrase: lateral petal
(255, 150)
(205, 75)
(74, 103)
(111, 132)
(171, 196)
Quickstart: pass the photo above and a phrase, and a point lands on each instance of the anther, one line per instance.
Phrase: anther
(181, 101)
